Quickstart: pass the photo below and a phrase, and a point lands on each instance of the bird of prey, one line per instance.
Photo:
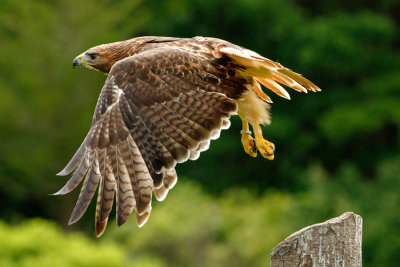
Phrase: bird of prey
(164, 99)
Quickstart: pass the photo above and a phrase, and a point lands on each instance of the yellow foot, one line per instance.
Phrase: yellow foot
(249, 145)
(266, 148)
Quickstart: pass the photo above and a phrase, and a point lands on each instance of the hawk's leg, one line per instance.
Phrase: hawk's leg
(247, 140)
(265, 147)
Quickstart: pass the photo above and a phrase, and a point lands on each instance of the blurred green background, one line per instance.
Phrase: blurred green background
(337, 150)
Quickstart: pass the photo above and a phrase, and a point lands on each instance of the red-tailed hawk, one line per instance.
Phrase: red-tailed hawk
(163, 101)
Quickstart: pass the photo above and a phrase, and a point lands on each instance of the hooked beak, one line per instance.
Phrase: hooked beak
(77, 61)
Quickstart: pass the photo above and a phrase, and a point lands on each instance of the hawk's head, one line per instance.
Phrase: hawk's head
(103, 57)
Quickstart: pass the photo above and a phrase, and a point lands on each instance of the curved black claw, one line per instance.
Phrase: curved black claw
(254, 149)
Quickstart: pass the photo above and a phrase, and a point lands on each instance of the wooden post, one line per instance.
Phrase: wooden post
(336, 243)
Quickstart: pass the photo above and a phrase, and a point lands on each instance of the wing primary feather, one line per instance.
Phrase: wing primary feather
(79, 173)
(170, 179)
(74, 162)
(100, 225)
(88, 190)
(108, 187)
(144, 183)
(161, 193)
(133, 178)
(125, 196)
(141, 219)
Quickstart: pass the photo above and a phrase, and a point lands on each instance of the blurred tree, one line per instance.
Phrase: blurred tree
(41, 243)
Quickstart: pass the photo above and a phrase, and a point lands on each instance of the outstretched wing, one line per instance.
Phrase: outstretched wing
(156, 109)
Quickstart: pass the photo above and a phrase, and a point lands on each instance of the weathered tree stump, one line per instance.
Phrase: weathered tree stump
(336, 242)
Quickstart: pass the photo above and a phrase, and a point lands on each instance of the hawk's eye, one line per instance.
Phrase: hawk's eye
(92, 56)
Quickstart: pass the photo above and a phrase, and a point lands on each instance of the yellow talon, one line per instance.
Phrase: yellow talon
(266, 148)
(249, 145)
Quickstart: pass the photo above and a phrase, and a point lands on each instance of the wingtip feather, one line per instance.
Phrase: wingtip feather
(64, 172)
(58, 193)
(73, 219)
(161, 193)
(100, 227)
(142, 219)
(75, 160)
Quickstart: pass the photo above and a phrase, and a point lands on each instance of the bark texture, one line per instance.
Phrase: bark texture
(336, 242)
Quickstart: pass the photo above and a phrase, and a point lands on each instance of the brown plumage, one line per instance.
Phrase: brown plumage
(163, 101)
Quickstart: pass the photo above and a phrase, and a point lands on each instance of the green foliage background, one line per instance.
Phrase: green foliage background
(337, 150)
